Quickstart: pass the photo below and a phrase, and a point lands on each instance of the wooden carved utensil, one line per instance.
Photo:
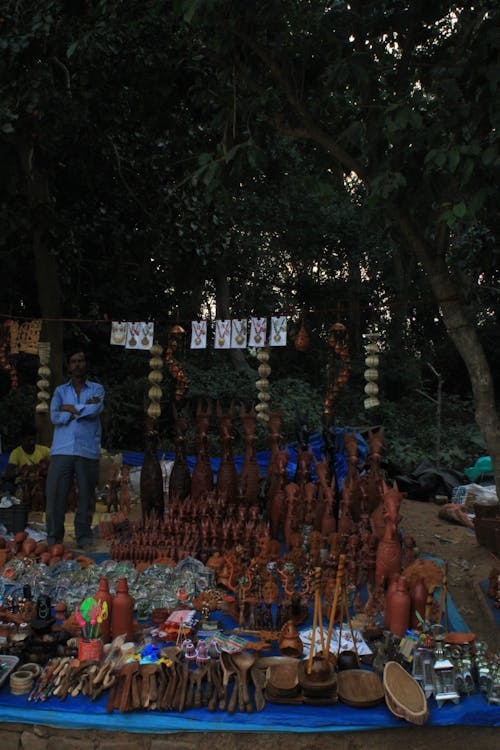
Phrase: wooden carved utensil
(128, 671)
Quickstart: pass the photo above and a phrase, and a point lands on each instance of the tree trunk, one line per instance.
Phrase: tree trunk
(46, 270)
(464, 336)
(223, 312)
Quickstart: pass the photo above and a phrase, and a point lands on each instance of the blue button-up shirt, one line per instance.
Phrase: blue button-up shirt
(80, 434)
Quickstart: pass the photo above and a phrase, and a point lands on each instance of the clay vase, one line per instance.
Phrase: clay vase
(418, 601)
(122, 620)
(103, 595)
(400, 609)
(388, 599)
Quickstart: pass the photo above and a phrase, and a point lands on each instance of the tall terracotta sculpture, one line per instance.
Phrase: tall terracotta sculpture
(227, 477)
(389, 554)
(372, 481)
(151, 484)
(250, 473)
(202, 477)
(180, 477)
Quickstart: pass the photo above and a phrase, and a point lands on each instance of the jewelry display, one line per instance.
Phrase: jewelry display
(147, 335)
(239, 334)
(258, 331)
(133, 333)
(222, 334)
(278, 327)
(198, 334)
(118, 333)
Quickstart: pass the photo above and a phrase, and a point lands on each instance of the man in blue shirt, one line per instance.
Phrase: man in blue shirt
(75, 413)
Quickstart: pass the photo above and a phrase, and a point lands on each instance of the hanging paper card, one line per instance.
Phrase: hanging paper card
(239, 333)
(133, 334)
(199, 334)
(147, 335)
(258, 331)
(222, 334)
(278, 331)
(24, 337)
(118, 333)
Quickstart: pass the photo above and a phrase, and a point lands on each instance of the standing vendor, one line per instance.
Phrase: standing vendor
(27, 454)
(75, 412)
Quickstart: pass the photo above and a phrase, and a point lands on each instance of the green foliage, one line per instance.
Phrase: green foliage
(16, 410)
(411, 432)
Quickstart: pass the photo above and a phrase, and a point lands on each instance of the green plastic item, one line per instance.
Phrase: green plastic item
(483, 465)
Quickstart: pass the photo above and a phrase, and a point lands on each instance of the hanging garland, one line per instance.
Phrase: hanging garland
(155, 377)
(5, 363)
(371, 373)
(262, 384)
(173, 365)
(44, 373)
(338, 364)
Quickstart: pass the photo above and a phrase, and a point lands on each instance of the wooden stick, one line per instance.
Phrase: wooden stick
(350, 626)
(428, 604)
(317, 582)
(320, 617)
(340, 573)
(341, 615)
(443, 602)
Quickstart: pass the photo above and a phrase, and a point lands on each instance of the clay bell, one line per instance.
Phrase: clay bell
(301, 342)
(289, 642)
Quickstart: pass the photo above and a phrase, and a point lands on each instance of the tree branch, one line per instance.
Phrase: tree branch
(66, 74)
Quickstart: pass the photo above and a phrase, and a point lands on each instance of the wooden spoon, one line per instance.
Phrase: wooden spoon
(243, 661)
(230, 670)
(259, 680)
(128, 671)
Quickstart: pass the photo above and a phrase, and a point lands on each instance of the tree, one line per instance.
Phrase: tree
(403, 97)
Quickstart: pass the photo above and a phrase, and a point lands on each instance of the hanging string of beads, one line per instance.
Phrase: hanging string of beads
(176, 336)
(264, 370)
(5, 363)
(339, 361)
(44, 373)
(372, 349)
(155, 377)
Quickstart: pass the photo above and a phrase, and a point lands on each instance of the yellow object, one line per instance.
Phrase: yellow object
(19, 457)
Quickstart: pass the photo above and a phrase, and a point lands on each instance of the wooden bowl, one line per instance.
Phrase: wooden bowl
(283, 678)
(359, 688)
(403, 695)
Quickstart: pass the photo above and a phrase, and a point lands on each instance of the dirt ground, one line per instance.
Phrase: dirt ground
(468, 564)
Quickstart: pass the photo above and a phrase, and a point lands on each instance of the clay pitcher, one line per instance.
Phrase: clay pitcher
(388, 599)
(290, 643)
(103, 595)
(122, 621)
(399, 615)
(418, 601)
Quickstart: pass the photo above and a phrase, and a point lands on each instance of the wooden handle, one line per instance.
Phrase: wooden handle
(338, 586)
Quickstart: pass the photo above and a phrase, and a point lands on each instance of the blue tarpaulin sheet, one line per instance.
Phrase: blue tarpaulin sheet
(81, 713)
(315, 442)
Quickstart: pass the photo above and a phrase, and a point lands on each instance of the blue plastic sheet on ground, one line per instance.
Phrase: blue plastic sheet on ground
(315, 442)
(81, 713)
(495, 611)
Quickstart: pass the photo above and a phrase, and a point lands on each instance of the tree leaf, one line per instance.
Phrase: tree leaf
(71, 49)
(459, 210)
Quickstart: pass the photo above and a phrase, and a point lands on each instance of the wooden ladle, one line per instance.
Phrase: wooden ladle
(243, 661)
(229, 669)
